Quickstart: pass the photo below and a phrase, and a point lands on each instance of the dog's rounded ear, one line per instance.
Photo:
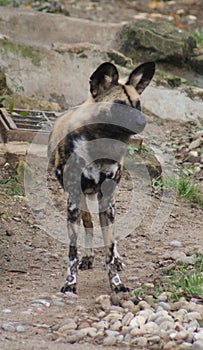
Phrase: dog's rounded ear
(141, 76)
(105, 76)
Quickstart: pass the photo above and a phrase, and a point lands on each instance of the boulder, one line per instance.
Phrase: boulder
(158, 41)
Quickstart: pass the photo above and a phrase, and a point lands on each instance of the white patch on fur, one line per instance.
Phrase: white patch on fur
(92, 173)
(80, 149)
(115, 251)
(116, 280)
(113, 168)
(72, 207)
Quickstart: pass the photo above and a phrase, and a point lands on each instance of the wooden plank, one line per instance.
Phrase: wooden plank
(28, 136)
(8, 119)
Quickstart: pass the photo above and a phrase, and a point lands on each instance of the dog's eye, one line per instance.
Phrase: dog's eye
(138, 105)
(120, 102)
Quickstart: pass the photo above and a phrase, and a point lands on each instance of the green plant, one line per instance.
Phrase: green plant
(184, 281)
(186, 186)
(198, 34)
(134, 149)
(8, 3)
(157, 185)
(12, 186)
(3, 97)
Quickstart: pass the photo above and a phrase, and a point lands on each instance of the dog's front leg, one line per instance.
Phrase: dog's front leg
(113, 262)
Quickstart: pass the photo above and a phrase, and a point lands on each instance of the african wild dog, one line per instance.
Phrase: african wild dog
(86, 149)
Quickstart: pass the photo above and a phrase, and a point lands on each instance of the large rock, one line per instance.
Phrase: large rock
(159, 41)
(43, 29)
(60, 73)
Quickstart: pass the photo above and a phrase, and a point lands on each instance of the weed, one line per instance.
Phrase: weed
(3, 97)
(9, 3)
(184, 281)
(134, 149)
(198, 34)
(186, 187)
(12, 186)
(157, 186)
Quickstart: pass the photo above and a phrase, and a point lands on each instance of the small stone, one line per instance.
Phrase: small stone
(44, 301)
(91, 331)
(193, 157)
(101, 314)
(133, 278)
(104, 301)
(185, 346)
(163, 297)
(119, 338)
(128, 338)
(198, 345)
(175, 243)
(167, 325)
(148, 314)
(84, 324)
(113, 317)
(152, 328)
(58, 303)
(129, 305)
(199, 335)
(187, 260)
(20, 329)
(127, 318)
(153, 340)
(6, 311)
(138, 331)
(10, 232)
(109, 340)
(76, 337)
(164, 306)
(195, 144)
(69, 325)
(198, 134)
(69, 296)
(171, 345)
(103, 324)
(140, 321)
(144, 305)
(115, 299)
(126, 329)
(179, 315)
(133, 322)
(140, 342)
(116, 326)
(193, 326)
(112, 333)
(9, 327)
(118, 309)
(191, 316)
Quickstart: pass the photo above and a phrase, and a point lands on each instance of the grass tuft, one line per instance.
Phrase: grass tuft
(183, 281)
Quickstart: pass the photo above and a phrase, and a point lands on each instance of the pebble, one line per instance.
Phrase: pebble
(76, 337)
(20, 329)
(161, 325)
(45, 302)
(140, 342)
(110, 340)
(70, 325)
(9, 327)
(127, 318)
(6, 310)
(175, 243)
(195, 144)
(164, 306)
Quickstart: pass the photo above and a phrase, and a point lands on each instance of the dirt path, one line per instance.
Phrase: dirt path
(33, 264)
